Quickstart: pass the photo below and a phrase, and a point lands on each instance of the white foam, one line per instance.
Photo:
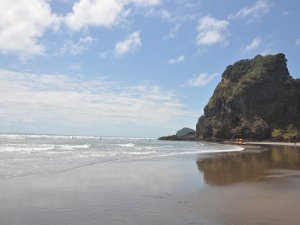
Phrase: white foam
(25, 147)
(73, 147)
(148, 148)
(128, 145)
(12, 136)
(141, 153)
(169, 154)
(129, 138)
(40, 147)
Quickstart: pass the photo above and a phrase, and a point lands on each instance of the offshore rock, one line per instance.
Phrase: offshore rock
(254, 97)
(185, 131)
(185, 134)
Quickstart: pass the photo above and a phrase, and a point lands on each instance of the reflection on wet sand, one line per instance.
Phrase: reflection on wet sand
(248, 165)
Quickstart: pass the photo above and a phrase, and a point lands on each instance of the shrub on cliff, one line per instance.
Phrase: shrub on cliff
(291, 133)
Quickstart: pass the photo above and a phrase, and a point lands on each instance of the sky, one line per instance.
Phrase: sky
(129, 67)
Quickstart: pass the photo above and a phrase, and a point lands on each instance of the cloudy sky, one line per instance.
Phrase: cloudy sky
(129, 67)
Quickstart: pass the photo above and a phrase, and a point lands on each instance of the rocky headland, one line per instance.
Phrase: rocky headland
(257, 99)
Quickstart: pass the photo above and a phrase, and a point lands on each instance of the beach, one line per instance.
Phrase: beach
(255, 186)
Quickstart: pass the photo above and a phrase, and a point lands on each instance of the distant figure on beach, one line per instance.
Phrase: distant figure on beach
(241, 141)
(100, 138)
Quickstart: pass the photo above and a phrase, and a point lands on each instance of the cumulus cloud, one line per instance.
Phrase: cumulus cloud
(200, 80)
(255, 43)
(260, 8)
(130, 44)
(104, 13)
(177, 60)
(22, 23)
(74, 100)
(78, 47)
(211, 31)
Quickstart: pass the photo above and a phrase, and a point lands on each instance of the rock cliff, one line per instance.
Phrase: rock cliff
(255, 99)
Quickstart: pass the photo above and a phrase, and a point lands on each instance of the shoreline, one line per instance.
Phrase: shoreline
(250, 142)
(272, 143)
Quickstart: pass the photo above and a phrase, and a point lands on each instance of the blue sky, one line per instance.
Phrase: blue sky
(129, 67)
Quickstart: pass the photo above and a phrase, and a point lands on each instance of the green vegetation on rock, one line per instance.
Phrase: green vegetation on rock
(290, 134)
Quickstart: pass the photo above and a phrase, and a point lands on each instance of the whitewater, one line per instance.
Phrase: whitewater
(24, 154)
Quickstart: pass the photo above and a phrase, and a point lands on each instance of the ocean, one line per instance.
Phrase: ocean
(80, 180)
(31, 154)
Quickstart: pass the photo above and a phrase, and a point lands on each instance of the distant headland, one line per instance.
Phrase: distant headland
(184, 134)
(256, 99)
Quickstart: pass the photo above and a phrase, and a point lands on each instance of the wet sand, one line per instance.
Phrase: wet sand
(257, 186)
(272, 143)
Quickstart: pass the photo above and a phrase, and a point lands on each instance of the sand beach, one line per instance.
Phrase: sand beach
(260, 185)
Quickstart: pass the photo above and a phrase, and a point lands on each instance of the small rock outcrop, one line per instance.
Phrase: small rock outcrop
(185, 131)
(185, 134)
(255, 98)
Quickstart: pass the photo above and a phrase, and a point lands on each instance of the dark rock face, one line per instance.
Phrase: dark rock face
(253, 98)
(188, 137)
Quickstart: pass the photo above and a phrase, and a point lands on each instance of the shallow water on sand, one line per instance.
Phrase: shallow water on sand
(257, 186)
(23, 155)
(248, 165)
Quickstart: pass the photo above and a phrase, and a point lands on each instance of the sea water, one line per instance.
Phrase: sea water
(24, 154)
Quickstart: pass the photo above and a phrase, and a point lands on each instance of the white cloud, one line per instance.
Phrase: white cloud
(298, 42)
(211, 31)
(79, 47)
(130, 44)
(65, 100)
(144, 3)
(200, 80)
(74, 66)
(104, 54)
(160, 13)
(287, 13)
(104, 13)
(173, 32)
(22, 23)
(177, 60)
(260, 8)
(255, 43)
